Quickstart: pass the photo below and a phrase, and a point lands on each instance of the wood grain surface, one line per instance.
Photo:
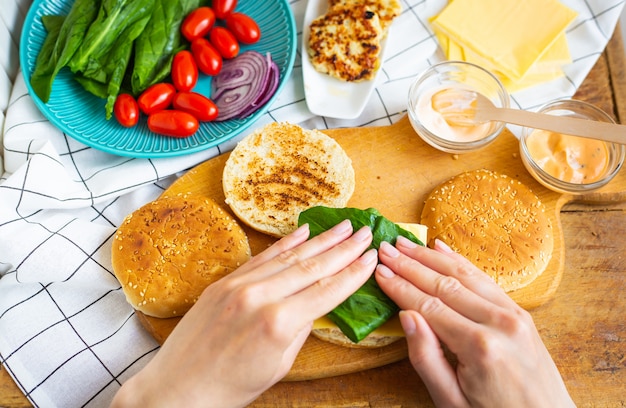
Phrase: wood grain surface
(582, 323)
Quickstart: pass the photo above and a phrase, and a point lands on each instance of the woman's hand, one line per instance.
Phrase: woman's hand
(243, 334)
(502, 361)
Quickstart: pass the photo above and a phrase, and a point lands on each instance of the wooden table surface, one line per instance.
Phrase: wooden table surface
(587, 342)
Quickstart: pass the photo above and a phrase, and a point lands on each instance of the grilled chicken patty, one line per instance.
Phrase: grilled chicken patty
(386, 10)
(345, 42)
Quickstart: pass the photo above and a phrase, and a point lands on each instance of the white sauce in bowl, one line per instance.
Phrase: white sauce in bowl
(435, 123)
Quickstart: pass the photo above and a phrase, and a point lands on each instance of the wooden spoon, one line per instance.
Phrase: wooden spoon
(463, 107)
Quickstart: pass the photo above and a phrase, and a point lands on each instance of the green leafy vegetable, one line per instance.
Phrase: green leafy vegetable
(60, 44)
(43, 75)
(112, 44)
(113, 67)
(159, 41)
(369, 307)
(105, 51)
(115, 18)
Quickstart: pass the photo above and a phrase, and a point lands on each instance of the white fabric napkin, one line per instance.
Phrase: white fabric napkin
(67, 335)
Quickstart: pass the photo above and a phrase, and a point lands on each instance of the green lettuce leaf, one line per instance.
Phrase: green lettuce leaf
(61, 44)
(369, 307)
(115, 19)
(160, 40)
(105, 53)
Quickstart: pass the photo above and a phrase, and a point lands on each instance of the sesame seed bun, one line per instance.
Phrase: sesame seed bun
(168, 251)
(280, 170)
(496, 222)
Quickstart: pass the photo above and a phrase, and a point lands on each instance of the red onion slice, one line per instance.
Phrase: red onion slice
(242, 85)
(272, 85)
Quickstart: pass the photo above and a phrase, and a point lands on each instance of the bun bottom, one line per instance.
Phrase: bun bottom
(336, 336)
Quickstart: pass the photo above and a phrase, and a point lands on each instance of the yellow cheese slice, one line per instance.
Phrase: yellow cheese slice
(391, 327)
(420, 231)
(511, 34)
(547, 68)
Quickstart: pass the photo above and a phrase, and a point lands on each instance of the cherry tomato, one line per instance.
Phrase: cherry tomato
(157, 97)
(173, 123)
(184, 71)
(198, 23)
(222, 8)
(243, 27)
(224, 42)
(208, 59)
(201, 107)
(126, 110)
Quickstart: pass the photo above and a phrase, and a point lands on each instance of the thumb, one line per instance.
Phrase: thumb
(428, 359)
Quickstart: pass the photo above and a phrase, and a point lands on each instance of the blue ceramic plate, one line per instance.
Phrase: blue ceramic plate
(81, 115)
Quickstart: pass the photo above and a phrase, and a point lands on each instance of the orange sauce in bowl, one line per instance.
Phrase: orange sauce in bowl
(571, 159)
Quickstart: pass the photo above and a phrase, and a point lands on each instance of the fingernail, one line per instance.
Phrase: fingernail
(369, 256)
(362, 234)
(343, 227)
(301, 230)
(385, 272)
(405, 242)
(407, 322)
(442, 246)
(388, 249)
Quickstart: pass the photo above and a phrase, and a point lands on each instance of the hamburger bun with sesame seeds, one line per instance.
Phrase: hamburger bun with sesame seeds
(280, 170)
(167, 252)
(496, 222)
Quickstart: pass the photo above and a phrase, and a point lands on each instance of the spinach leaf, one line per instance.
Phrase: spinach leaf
(322, 218)
(369, 307)
(92, 86)
(113, 69)
(116, 68)
(60, 44)
(107, 47)
(115, 19)
(43, 74)
(363, 311)
(160, 40)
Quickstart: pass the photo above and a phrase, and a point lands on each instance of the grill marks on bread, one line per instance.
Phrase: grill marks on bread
(345, 42)
(280, 170)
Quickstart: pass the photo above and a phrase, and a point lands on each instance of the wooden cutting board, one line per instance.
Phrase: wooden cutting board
(395, 171)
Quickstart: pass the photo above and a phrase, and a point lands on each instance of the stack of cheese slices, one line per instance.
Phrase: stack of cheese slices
(522, 42)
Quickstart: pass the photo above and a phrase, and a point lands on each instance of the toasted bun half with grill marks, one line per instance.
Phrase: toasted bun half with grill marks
(167, 252)
(496, 222)
(280, 170)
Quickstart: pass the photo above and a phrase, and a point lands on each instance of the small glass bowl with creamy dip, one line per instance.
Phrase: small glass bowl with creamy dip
(570, 164)
(454, 76)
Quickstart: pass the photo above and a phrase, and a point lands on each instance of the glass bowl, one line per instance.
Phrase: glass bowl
(432, 127)
(570, 164)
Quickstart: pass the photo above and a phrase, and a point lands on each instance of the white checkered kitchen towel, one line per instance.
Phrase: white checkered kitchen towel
(67, 335)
